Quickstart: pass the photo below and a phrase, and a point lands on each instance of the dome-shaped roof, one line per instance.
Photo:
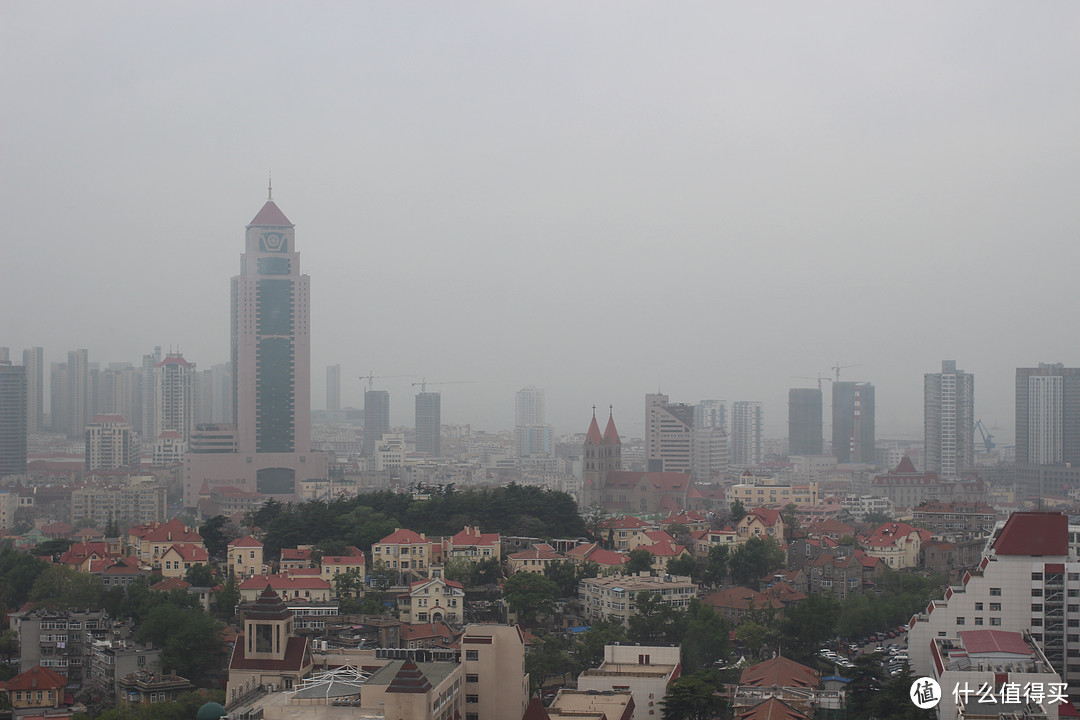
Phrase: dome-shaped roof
(210, 711)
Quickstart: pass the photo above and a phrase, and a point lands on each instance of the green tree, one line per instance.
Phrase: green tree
(530, 595)
(808, 623)
(694, 697)
(790, 515)
(18, 572)
(566, 575)
(52, 548)
(684, 564)
(756, 557)
(876, 518)
(548, 657)
(752, 636)
(590, 646)
(655, 621)
(9, 644)
(62, 588)
(716, 565)
(707, 636)
(349, 584)
(190, 640)
(199, 575)
(217, 533)
(637, 561)
(228, 597)
(738, 510)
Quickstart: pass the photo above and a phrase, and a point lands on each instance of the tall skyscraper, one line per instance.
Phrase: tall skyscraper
(669, 435)
(1048, 415)
(853, 422)
(429, 423)
(531, 435)
(376, 418)
(119, 393)
(174, 396)
(747, 433)
(949, 420)
(12, 419)
(805, 431)
(333, 387)
(146, 390)
(271, 369)
(111, 444)
(34, 362)
(78, 385)
(710, 454)
(712, 414)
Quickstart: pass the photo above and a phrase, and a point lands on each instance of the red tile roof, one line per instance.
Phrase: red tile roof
(771, 709)
(190, 553)
(246, 542)
(1034, 533)
(467, 537)
(173, 360)
(995, 641)
(409, 679)
(781, 672)
(611, 435)
(172, 583)
(37, 678)
(285, 582)
(270, 215)
(906, 467)
(404, 537)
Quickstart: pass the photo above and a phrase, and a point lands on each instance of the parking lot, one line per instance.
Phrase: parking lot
(890, 647)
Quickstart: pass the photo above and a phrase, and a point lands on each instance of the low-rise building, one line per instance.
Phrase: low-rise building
(434, 600)
(735, 604)
(536, 559)
(644, 670)
(246, 557)
(404, 550)
(473, 545)
(954, 517)
(178, 559)
(493, 661)
(290, 588)
(36, 688)
(613, 598)
(592, 705)
(146, 688)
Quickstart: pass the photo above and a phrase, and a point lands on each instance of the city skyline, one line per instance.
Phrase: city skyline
(854, 170)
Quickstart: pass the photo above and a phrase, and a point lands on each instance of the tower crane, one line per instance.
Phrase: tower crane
(372, 377)
(987, 438)
(838, 367)
(424, 383)
(820, 378)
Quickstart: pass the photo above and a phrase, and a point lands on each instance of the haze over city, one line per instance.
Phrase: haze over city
(603, 200)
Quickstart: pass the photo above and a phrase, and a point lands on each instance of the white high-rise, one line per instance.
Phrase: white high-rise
(531, 435)
(949, 420)
(747, 433)
(174, 396)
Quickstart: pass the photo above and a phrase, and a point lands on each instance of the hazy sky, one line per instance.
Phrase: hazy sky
(599, 198)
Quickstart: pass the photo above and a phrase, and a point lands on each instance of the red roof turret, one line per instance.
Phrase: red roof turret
(270, 215)
(611, 435)
(593, 437)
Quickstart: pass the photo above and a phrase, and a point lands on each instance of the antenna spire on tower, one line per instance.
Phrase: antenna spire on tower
(270, 185)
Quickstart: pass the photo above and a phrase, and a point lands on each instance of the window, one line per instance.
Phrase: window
(472, 677)
(1036, 592)
(472, 655)
(1074, 577)
(959, 621)
(1036, 576)
(1036, 622)
(472, 699)
(1074, 593)
(995, 622)
(995, 592)
(1073, 623)
(472, 716)
(995, 607)
(1035, 607)
(978, 621)
(978, 606)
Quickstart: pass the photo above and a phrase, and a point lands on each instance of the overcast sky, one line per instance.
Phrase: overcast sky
(598, 198)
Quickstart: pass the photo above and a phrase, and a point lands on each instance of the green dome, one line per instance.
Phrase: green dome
(210, 711)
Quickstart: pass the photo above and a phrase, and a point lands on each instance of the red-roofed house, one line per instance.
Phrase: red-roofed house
(733, 604)
(404, 550)
(780, 672)
(289, 587)
(536, 559)
(626, 533)
(761, 522)
(663, 551)
(434, 600)
(38, 687)
(429, 635)
(151, 541)
(268, 652)
(332, 565)
(178, 559)
(610, 562)
(295, 558)
(246, 557)
(897, 544)
(473, 545)
(706, 540)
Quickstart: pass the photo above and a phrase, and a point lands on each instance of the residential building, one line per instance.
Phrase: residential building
(291, 588)
(949, 420)
(747, 433)
(907, 487)
(429, 423)
(805, 430)
(38, 688)
(760, 522)
(841, 575)
(178, 559)
(58, 640)
(859, 506)
(613, 598)
(13, 419)
(112, 659)
(710, 450)
(472, 545)
(404, 550)
(333, 387)
(70, 394)
(585, 705)
(246, 557)
(174, 396)
(986, 657)
(150, 541)
(271, 368)
(772, 492)
(146, 399)
(853, 422)
(626, 533)
(144, 687)
(34, 364)
(669, 436)
(531, 435)
(493, 660)
(134, 499)
(1027, 582)
(954, 517)
(9, 503)
(897, 544)
(645, 670)
(111, 443)
(734, 604)
(332, 565)
(169, 449)
(1047, 429)
(376, 418)
(536, 559)
(433, 600)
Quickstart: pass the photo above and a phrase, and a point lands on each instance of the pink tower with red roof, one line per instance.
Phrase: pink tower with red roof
(601, 454)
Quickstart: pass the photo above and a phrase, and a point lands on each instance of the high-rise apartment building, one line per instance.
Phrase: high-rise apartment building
(710, 455)
(712, 414)
(12, 419)
(531, 435)
(34, 362)
(853, 422)
(111, 443)
(119, 393)
(429, 423)
(805, 431)
(747, 433)
(146, 427)
(1048, 415)
(174, 396)
(333, 387)
(669, 435)
(949, 420)
(271, 372)
(376, 418)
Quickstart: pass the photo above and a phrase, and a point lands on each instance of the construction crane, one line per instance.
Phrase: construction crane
(987, 438)
(372, 377)
(424, 383)
(820, 378)
(838, 367)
